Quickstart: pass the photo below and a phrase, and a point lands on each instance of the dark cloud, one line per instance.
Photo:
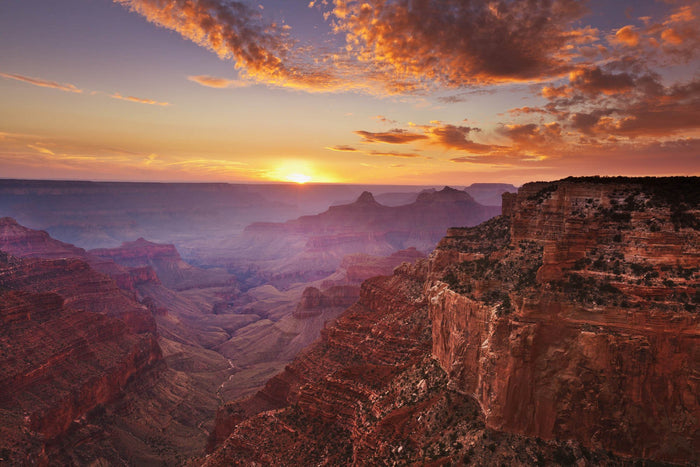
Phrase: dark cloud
(459, 42)
(395, 154)
(531, 135)
(342, 148)
(395, 136)
(593, 80)
(456, 137)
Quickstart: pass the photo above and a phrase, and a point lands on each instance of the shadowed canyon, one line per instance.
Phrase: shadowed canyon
(215, 324)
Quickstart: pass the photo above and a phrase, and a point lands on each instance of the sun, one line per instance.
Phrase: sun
(298, 178)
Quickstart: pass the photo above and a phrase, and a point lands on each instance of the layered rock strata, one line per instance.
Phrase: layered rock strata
(565, 328)
(165, 260)
(63, 355)
(575, 315)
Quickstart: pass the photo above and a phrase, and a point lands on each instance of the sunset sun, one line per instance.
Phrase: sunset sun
(299, 178)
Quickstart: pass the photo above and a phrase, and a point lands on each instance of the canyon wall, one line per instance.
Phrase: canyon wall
(565, 331)
(64, 351)
(583, 322)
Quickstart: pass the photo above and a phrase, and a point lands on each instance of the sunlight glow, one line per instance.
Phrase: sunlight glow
(298, 178)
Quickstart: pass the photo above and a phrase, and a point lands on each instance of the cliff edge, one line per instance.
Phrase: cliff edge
(565, 331)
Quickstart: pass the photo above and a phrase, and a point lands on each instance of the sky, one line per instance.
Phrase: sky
(415, 92)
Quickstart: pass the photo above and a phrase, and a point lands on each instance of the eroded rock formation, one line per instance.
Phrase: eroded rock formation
(566, 328)
(70, 342)
(578, 317)
(167, 264)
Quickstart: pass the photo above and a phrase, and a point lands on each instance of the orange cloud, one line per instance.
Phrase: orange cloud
(671, 40)
(455, 137)
(41, 149)
(672, 37)
(43, 83)
(532, 136)
(551, 92)
(600, 103)
(139, 100)
(627, 35)
(235, 30)
(216, 82)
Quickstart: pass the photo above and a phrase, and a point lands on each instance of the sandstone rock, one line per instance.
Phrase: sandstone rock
(563, 330)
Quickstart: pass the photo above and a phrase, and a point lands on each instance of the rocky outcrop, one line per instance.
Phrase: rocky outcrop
(82, 288)
(314, 301)
(565, 329)
(589, 305)
(23, 242)
(165, 260)
(419, 224)
(63, 355)
(368, 393)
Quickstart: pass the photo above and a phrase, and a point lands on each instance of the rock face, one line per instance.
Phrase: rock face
(165, 260)
(21, 241)
(314, 301)
(574, 316)
(368, 393)
(85, 379)
(63, 355)
(359, 267)
(419, 224)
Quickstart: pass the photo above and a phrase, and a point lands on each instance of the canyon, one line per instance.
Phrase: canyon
(130, 349)
(563, 331)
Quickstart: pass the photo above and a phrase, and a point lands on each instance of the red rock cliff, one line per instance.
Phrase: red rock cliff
(62, 356)
(576, 317)
(565, 329)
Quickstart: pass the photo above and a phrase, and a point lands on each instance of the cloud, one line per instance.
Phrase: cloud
(235, 30)
(139, 100)
(342, 148)
(413, 46)
(526, 110)
(395, 154)
(67, 87)
(395, 136)
(600, 103)
(457, 43)
(674, 39)
(41, 149)
(383, 119)
(593, 80)
(532, 136)
(43, 83)
(216, 82)
(626, 35)
(456, 137)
